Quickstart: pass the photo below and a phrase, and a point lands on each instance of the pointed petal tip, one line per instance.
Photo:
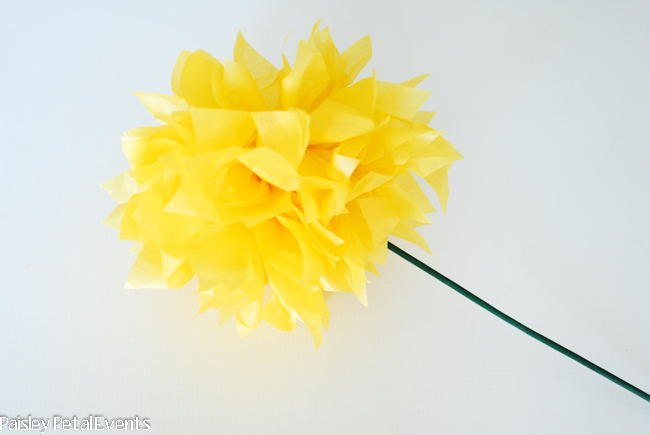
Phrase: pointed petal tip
(315, 28)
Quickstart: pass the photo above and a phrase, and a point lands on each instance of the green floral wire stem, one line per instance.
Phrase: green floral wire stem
(525, 329)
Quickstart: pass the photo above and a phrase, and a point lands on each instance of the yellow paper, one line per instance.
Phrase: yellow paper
(291, 178)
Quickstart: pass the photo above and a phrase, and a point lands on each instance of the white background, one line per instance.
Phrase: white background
(547, 220)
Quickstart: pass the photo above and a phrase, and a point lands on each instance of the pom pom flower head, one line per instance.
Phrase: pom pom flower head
(292, 177)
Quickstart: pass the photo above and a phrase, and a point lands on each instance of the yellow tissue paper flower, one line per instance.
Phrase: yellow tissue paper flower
(292, 177)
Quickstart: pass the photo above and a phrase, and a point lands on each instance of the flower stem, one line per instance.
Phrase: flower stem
(525, 329)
